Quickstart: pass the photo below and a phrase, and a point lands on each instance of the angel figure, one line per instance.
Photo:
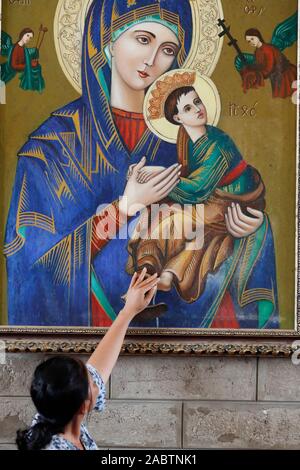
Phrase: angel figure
(23, 60)
(268, 61)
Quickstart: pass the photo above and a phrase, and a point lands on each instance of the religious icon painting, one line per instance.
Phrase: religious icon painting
(166, 139)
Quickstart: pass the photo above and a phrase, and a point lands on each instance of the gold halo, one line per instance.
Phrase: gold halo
(208, 93)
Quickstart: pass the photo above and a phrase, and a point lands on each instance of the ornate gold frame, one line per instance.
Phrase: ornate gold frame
(161, 348)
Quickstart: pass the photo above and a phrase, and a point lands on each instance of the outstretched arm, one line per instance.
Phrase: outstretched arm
(138, 297)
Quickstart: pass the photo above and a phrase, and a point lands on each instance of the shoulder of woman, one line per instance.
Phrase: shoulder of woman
(58, 443)
(87, 439)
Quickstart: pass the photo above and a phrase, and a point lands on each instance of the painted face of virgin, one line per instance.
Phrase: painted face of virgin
(191, 110)
(143, 53)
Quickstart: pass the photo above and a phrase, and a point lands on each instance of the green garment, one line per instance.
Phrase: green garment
(210, 158)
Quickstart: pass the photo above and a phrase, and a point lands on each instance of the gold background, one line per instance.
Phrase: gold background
(267, 141)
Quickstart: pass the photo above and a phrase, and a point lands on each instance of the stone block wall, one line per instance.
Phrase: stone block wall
(176, 402)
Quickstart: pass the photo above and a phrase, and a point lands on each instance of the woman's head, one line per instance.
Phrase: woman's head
(60, 390)
(26, 35)
(143, 53)
(254, 37)
(184, 107)
(107, 23)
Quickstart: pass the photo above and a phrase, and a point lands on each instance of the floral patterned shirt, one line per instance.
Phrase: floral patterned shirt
(60, 443)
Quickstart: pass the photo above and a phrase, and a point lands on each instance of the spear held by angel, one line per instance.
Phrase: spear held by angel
(268, 61)
(23, 59)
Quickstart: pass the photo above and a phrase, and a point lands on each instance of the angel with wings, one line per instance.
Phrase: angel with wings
(268, 61)
(23, 60)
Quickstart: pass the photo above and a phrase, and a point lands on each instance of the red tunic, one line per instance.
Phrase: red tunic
(270, 63)
(131, 126)
(18, 58)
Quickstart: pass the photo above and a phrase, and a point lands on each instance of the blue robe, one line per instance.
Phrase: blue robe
(74, 162)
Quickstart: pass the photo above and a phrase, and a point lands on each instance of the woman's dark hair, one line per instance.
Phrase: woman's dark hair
(254, 32)
(25, 31)
(59, 387)
(171, 108)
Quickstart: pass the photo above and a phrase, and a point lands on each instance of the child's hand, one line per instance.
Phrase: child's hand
(130, 171)
(140, 292)
(148, 172)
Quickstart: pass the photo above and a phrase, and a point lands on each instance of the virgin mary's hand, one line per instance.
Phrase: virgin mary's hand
(139, 195)
(148, 172)
(240, 225)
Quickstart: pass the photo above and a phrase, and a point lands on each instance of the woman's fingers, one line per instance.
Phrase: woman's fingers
(133, 279)
(243, 217)
(237, 215)
(233, 226)
(167, 192)
(167, 189)
(149, 296)
(240, 225)
(144, 178)
(148, 178)
(229, 228)
(257, 213)
(166, 181)
(150, 286)
(254, 223)
(139, 166)
(164, 174)
(141, 276)
(148, 281)
(250, 222)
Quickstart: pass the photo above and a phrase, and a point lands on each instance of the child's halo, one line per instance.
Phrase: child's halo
(160, 90)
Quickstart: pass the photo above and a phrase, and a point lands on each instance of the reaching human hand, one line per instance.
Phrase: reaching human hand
(140, 293)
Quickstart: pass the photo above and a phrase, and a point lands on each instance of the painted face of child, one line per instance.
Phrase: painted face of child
(191, 110)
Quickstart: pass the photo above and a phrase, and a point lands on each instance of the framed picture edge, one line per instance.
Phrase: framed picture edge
(174, 341)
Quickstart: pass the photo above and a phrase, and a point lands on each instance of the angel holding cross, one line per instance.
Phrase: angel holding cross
(268, 61)
(23, 60)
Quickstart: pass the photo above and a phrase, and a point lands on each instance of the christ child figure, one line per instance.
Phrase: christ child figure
(214, 177)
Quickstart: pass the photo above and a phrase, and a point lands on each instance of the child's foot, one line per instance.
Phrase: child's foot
(166, 280)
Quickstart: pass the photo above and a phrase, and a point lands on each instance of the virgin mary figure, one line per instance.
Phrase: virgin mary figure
(65, 266)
